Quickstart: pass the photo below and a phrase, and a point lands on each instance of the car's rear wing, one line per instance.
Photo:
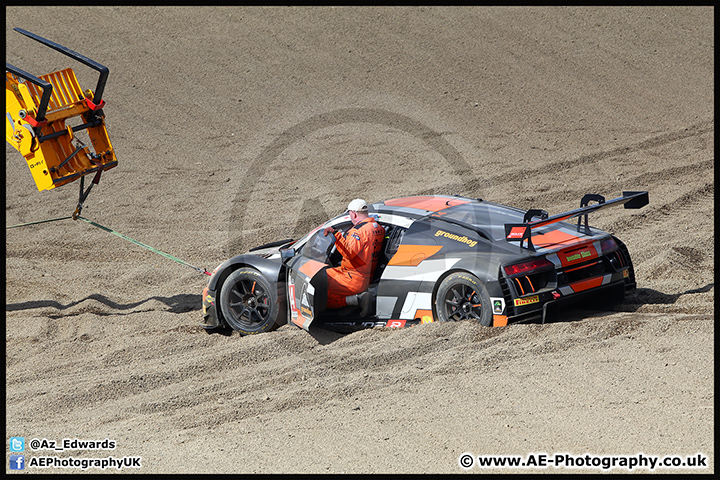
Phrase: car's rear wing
(520, 232)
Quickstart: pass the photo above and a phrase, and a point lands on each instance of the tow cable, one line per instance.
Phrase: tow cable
(118, 234)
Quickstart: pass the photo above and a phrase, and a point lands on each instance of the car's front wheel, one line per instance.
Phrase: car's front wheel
(249, 302)
(461, 296)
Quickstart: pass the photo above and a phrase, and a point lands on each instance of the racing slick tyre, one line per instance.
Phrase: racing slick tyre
(248, 302)
(461, 296)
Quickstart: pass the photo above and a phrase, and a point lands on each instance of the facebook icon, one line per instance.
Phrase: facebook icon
(17, 462)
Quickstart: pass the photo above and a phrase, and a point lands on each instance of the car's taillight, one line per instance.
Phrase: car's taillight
(608, 245)
(529, 267)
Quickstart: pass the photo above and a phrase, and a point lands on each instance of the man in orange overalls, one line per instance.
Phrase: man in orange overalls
(360, 249)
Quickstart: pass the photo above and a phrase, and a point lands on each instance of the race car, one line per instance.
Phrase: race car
(444, 258)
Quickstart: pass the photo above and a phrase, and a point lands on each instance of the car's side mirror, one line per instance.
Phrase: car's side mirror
(287, 253)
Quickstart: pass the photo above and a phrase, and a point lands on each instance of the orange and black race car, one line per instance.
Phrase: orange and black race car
(444, 258)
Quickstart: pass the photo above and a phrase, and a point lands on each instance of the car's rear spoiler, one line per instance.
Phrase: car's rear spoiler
(519, 232)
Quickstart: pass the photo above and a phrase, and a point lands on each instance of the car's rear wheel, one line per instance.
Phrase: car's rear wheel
(461, 296)
(249, 302)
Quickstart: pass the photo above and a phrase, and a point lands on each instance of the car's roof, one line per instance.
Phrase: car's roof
(474, 212)
(420, 205)
(429, 203)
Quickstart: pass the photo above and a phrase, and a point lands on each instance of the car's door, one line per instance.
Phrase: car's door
(307, 276)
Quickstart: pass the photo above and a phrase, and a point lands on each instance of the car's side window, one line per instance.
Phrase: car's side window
(318, 246)
(393, 237)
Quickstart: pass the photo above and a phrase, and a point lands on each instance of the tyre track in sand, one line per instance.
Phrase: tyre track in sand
(288, 370)
(653, 143)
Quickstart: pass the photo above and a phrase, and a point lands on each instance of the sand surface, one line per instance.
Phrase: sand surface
(238, 126)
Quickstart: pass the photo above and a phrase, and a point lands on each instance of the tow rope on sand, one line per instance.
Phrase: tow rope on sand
(118, 234)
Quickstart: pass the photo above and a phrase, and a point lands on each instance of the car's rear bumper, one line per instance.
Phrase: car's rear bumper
(547, 308)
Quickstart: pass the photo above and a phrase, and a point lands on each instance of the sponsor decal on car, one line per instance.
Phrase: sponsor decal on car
(498, 306)
(578, 256)
(526, 301)
(425, 316)
(207, 300)
(457, 238)
(291, 297)
(395, 323)
(516, 232)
